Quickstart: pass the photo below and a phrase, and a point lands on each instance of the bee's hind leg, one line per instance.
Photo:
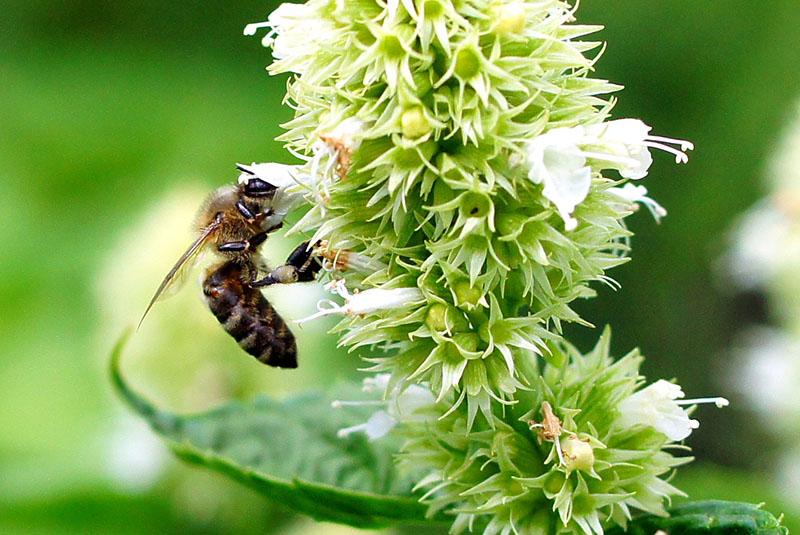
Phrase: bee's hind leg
(301, 266)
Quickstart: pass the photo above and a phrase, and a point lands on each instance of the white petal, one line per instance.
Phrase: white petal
(379, 299)
(347, 133)
(624, 131)
(376, 384)
(638, 194)
(644, 160)
(655, 406)
(277, 174)
(555, 160)
(411, 399)
(379, 425)
(567, 190)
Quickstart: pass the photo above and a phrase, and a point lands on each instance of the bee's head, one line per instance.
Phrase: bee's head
(255, 187)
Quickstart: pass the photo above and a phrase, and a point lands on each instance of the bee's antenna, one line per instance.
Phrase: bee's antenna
(244, 169)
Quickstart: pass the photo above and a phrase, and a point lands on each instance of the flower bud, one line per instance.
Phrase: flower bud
(443, 318)
(510, 223)
(578, 454)
(436, 318)
(466, 295)
(414, 123)
(468, 63)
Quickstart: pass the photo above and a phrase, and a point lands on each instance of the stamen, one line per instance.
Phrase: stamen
(558, 451)
(347, 431)
(680, 157)
(321, 311)
(656, 209)
(685, 145)
(338, 287)
(719, 402)
(252, 28)
(337, 404)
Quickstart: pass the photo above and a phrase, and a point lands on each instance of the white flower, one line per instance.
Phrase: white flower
(767, 374)
(290, 182)
(638, 193)
(295, 32)
(345, 135)
(398, 405)
(344, 260)
(331, 155)
(563, 159)
(555, 160)
(277, 174)
(625, 145)
(135, 457)
(366, 302)
(762, 246)
(337, 145)
(656, 406)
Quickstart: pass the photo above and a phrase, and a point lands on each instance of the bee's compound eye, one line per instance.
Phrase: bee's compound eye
(255, 187)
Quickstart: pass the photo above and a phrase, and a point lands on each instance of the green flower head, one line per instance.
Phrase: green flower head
(464, 148)
(584, 449)
(464, 182)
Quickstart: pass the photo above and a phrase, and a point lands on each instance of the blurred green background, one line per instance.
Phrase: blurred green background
(117, 117)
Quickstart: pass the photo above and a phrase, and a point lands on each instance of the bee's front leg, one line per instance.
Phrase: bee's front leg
(301, 266)
(267, 219)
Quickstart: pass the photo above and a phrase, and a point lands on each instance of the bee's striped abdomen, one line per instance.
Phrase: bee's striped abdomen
(248, 317)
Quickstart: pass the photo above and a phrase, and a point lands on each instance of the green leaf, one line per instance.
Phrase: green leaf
(289, 452)
(711, 517)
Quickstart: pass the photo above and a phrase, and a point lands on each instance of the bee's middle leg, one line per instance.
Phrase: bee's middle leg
(244, 245)
(301, 266)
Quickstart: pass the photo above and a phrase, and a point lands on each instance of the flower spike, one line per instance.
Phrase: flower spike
(461, 170)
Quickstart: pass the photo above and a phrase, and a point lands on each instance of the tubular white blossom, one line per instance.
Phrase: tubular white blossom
(638, 193)
(366, 302)
(398, 405)
(294, 32)
(290, 181)
(630, 139)
(343, 260)
(563, 159)
(555, 160)
(331, 156)
(346, 135)
(656, 406)
(761, 239)
(277, 174)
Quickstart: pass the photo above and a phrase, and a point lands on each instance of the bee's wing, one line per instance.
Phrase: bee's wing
(177, 275)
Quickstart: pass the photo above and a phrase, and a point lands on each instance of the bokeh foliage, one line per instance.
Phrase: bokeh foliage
(108, 106)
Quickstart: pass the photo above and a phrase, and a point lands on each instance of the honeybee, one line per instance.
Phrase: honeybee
(233, 223)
